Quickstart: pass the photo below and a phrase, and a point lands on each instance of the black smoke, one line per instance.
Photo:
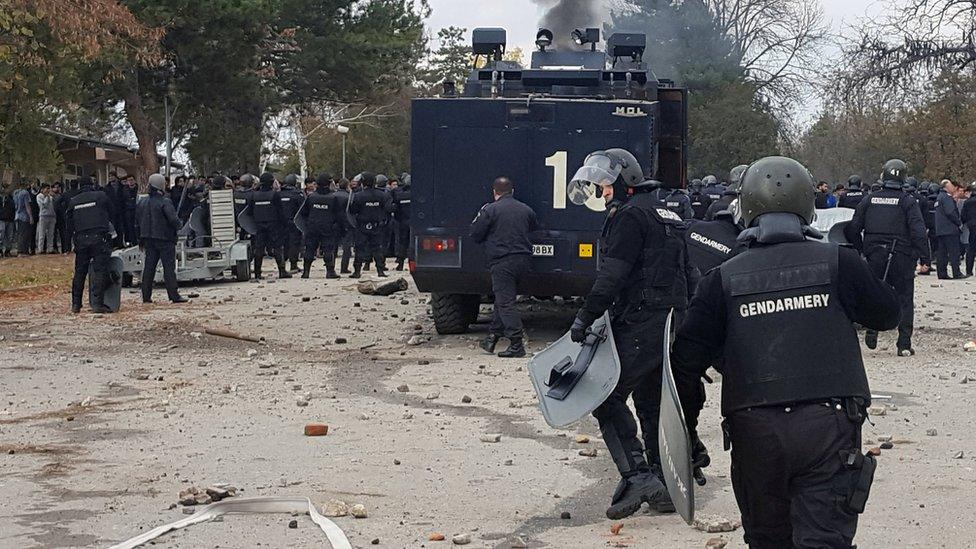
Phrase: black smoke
(562, 16)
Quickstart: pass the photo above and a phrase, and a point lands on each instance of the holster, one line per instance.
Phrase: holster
(862, 468)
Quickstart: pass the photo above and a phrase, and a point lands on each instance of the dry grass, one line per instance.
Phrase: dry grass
(28, 278)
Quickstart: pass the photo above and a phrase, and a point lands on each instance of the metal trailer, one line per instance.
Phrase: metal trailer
(214, 249)
(535, 125)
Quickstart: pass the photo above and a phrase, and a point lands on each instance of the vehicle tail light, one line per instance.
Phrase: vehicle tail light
(431, 244)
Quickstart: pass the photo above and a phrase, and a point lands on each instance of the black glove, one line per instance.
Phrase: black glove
(699, 459)
(580, 325)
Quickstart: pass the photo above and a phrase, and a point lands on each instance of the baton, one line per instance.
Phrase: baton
(891, 255)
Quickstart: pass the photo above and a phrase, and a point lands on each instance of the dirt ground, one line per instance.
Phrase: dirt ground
(104, 419)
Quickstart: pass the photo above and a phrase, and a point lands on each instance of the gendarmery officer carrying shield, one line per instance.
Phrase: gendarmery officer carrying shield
(643, 274)
(778, 320)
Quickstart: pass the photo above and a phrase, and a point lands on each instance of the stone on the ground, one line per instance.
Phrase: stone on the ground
(403, 388)
(461, 539)
(491, 438)
(517, 543)
(582, 439)
(358, 511)
(588, 452)
(931, 432)
(877, 410)
(714, 525)
(716, 543)
(385, 288)
(335, 508)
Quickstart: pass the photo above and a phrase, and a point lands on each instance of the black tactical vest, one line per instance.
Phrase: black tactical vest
(240, 201)
(851, 199)
(323, 211)
(291, 201)
(885, 216)
(659, 281)
(710, 243)
(265, 210)
(88, 213)
(788, 338)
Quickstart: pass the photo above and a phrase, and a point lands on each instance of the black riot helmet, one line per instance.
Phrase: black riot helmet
(911, 184)
(776, 184)
(695, 185)
(894, 170)
(710, 180)
(291, 180)
(854, 182)
(615, 168)
(367, 179)
(735, 177)
(382, 181)
(267, 180)
(323, 183)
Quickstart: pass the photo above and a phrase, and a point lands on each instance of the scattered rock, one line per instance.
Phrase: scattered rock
(363, 416)
(316, 430)
(306, 299)
(436, 537)
(491, 438)
(714, 525)
(416, 340)
(293, 524)
(582, 439)
(335, 508)
(616, 527)
(931, 432)
(423, 362)
(403, 388)
(466, 399)
(461, 539)
(884, 438)
(358, 511)
(433, 396)
(301, 402)
(877, 410)
(341, 340)
(887, 445)
(716, 543)
(588, 452)
(370, 287)
(251, 353)
(565, 515)
(970, 346)
(517, 543)
(958, 455)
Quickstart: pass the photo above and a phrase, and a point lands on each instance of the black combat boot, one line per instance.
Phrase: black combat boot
(489, 343)
(399, 266)
(101, 309)
(635, 490)
(357, 271)
(257, 267)
(75, 307)
(516, 349)
(282, 271)
(344, 265)
(294, 265)
(330, 271)
(871, 339)
(381, 272)
(306, 269)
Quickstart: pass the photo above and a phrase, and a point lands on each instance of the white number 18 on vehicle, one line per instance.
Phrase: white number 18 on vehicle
(579, 195)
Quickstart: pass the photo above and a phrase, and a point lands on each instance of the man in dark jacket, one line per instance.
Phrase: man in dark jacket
(158, 224)
(503, 227)
(968, 217)
(128, 194)
(323, 212)
(371, 209)
(265, 207)
(8, 220)
(948, 227)
(291, 201)
(346, 243)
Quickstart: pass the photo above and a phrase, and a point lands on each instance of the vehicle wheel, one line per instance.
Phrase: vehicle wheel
(453, 312)
(242, 271)
(471, 306)
(126, 280)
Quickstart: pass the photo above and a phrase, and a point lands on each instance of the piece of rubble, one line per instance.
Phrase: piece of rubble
(713, 525)
(316, 430)
(491, 438)
(433, 396)
(877, 410)
(335, 508)
(582, 439)
(358, 511)
(887, 445)
(931, 432)
(403, 388)
(616, 527)
(970, 346)
(416, 340)
(588, 452)
(301, 402)
(293, 524)
(436, 537)
(958, 455)
(251, 353)
(466, 399)
(385, 288)
(716, 543)
(565, 515)
(517, 543)
(461, 539)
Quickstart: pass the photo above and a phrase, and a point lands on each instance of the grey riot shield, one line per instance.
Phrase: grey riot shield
(572, 379)
(112, 297)
(246, 221)
(836, 234)
(673, 441)
(300, 221)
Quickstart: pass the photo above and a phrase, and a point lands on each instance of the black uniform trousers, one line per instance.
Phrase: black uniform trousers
(639, 346)
(130, 236)
(971, 251)
(92, 250)
(316, 241)
(292, 242)
(403, 240)
(267, 241)
(347, 244)
(901, 276)
(159, 251)
(505, 275)
(370, 246)
(950, 248)
(789, 478)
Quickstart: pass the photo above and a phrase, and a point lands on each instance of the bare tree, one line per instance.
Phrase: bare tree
(776, 42)
(917, 41)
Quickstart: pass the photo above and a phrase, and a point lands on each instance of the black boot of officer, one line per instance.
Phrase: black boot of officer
(794, 389)
(644, 274)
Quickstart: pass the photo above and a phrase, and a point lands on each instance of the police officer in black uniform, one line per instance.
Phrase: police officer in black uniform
(89, 220)
(265, 208)
(643, 273)
(679, 202)
(291, 201)
(158, 224)
(711, 243)
(712, 188)
(241, 193)
(323, 212)
(699, 201)
(728, 195)
(893, 242)
(401, 214)
(371, 209)
(346, 243)
(854, 194)
(778, 319)
(503, 227)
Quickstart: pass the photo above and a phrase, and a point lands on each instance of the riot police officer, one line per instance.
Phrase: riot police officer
(643, 273)
(371, 209)
(323, 212)
(241, 193)
(893, 241)
(699, 201)
(711, 243)
(503, 227)
(728, 195)
(401, 214)
(158, 224)
(346, 243)
(712, 188)
(291, 201)
(265, 207)
(89, 216)
(779, 317)
(678, 202)
(854, 194)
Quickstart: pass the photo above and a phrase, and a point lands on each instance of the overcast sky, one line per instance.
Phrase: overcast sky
(520, 17)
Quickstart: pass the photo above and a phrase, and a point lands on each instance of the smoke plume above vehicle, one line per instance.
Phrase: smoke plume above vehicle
(562, 16)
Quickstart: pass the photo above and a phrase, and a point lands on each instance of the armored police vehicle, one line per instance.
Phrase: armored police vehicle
(536, 126)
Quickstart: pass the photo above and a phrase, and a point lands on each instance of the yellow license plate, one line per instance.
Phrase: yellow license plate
(586, 250)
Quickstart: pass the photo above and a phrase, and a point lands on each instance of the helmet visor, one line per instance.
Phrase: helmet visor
(598, 169)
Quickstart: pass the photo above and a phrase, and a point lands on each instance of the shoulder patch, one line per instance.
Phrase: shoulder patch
(667, 214)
